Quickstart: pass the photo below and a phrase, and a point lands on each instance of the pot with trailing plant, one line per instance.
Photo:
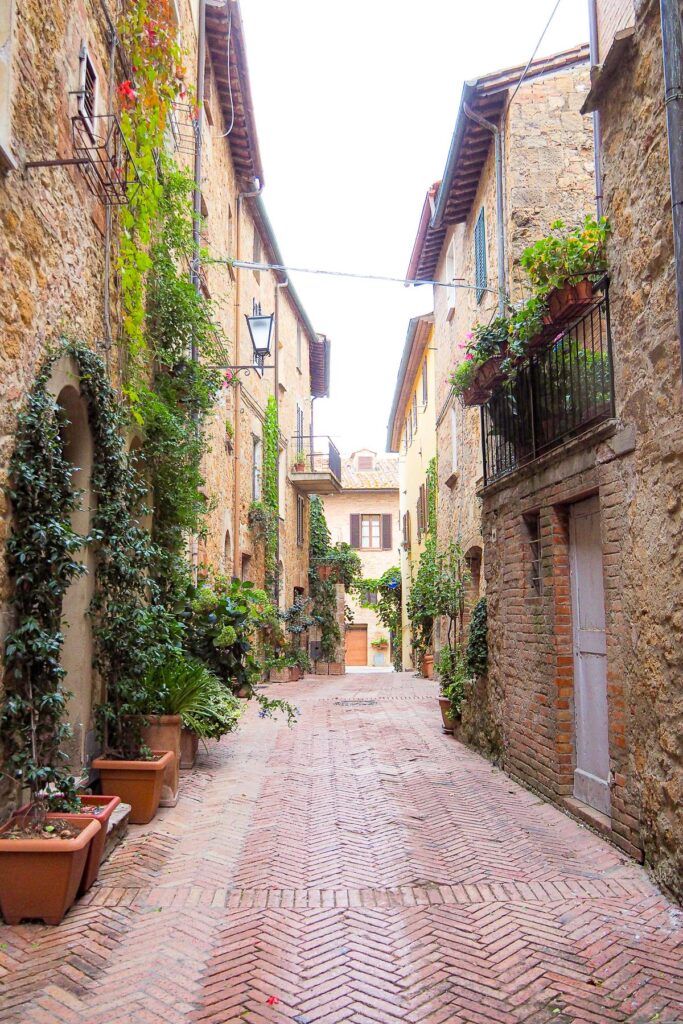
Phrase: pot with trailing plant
(452, 679)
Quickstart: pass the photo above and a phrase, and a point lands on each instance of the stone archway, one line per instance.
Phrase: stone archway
(77, 652)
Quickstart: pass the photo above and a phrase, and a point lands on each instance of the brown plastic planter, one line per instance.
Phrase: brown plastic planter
(137, 783)
(162, 732)
(448, 721)
(39, 878)
(189, 748)
(107, 805)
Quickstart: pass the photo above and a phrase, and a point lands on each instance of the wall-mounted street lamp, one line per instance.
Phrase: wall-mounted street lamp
(261, 334)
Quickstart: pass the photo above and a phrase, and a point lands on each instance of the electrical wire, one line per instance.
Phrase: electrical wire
(232, 102)
(248, 265)
(524, 73)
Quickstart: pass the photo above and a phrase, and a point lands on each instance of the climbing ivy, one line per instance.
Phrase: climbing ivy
(477, 653)
(432, 490)
(388, 607)
(271, 450)
(323, 592)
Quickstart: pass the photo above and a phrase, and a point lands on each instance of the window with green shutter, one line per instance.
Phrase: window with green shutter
(480, 278)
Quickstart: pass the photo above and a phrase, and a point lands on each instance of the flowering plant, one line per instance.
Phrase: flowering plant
(567, 256)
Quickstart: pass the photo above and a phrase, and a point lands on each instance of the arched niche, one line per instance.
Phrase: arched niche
(77, 652)
(226, 559)
(473, 560)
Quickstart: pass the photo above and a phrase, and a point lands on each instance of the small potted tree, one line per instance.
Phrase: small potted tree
(300, 461)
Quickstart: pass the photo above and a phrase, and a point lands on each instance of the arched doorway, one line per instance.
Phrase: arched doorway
(77, 650)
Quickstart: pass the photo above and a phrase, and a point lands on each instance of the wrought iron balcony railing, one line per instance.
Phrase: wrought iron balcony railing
(315, 455)
(566, 387)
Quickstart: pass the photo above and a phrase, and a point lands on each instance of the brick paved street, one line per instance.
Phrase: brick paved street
(361, 867)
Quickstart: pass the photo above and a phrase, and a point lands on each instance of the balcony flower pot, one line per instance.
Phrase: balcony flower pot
(189, 748)
(39, 878)
(138, 783)
(561, 301)
(101, 809)
(488, 374)
(448, 722)
(162, 732)
(299, 467)
(428, 666)
(474, 396)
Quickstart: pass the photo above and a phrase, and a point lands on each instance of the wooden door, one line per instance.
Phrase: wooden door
(357, 645)
(591, 775)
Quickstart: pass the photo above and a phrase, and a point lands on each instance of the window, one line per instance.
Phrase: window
(405, 437)
(422, 512)
(298, 347)
(87, 89)
(370, 597)
(370, 527)
(450, 277)
(425, 394)
(410, 429)
(6, 20)
(300, 513)
(299, 429)
(246, 567)
(480, 278)
(406, 531)
(256, 468)
(366, 462)
(532, 523)
(415, 413)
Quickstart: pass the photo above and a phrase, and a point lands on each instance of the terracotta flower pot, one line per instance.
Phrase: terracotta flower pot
(488, 374)
(295, 674)
(428, 666)
(189, 748)
(475, 395)
(40, 877)
(138, 783)
(336, 668)
(448, 722)
(299, 467)
(162, 732)
(324, 572)
(106, 805)
(561, 301)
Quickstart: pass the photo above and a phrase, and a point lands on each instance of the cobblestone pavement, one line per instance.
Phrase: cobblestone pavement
(360, 867)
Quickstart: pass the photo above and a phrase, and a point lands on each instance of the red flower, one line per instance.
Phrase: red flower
(127, 91)
(272, 1000)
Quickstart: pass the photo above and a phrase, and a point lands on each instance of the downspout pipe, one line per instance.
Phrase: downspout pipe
(672, 57)
(597, 126)
(500, 224)
(236, 568)
(197, 203)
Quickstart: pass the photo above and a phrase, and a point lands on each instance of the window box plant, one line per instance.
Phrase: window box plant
(40, 877)
(380, 643)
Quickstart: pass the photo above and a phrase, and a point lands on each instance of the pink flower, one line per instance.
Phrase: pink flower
(468, 355)
(469, 335)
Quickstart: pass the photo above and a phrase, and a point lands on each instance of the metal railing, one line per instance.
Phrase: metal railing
(320, 455)
(566, 387)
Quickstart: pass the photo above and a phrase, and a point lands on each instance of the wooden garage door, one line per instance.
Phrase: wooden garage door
(357, 645)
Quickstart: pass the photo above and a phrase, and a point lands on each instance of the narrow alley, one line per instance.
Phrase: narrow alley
(359, 867)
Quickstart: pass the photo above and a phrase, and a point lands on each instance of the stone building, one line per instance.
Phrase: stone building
(60, 72)
(412, 432)
(365, 514)
(547, 163)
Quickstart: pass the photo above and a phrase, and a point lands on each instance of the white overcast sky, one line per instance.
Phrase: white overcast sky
(355, 106)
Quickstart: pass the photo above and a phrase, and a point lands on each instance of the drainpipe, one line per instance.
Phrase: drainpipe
(500, 225)
(597, 127)
(276, 362)
(672, 56)
(196, 228)
(236, 568)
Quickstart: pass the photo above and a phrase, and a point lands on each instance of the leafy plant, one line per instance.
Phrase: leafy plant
(452, 677)
(185, 687)
(388, 607)
(463, 376)
(379, 642)
(345, 563)
(323, 592)
(486, 340)
(300, 458)
(477, 653)
(567, 255)
(437, 590)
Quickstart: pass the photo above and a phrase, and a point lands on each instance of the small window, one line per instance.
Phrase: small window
(371, 532)
(406, 531)
(366, 462)
(87, 90)
(425, 394)
(480, 272)
(532, 524)
(370, 597)
(256, 469)
(298, 346)
(300, 513)
(415, 413)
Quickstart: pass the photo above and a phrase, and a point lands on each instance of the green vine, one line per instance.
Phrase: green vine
(271, 451)
(477, 653)
(388, 607)
(323, 591)
(432, 491)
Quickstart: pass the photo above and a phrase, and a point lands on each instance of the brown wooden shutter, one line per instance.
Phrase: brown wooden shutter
(354, 531)
(386, 533)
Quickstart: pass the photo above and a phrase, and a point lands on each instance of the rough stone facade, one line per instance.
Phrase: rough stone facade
(54, 237)
(371, 492)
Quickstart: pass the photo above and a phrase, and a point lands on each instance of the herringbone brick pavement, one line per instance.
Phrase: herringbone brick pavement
(361, 867)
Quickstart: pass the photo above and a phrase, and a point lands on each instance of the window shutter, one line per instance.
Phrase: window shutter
(480, 270)
(354, 531)
(386, 533)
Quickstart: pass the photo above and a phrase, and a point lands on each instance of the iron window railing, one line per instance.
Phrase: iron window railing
(320, 455)
(566, 387)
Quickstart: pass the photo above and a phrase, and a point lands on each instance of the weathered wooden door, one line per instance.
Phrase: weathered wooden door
(357, 645)
(591, 775)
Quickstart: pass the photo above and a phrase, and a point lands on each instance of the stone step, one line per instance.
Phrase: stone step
(117, 829)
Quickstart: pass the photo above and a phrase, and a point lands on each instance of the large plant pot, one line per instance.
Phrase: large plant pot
(336, 668)
(138, 783)
(189, 748)
(39, 878)
(295, 674)
(101, 809)
(428, 666)
(162, 732)
(446, 718)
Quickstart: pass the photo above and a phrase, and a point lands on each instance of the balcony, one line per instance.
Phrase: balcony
(315, 466)
(566, 388)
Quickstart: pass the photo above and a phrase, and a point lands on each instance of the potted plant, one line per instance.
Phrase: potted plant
(427, 665)
(452, 679)
(563, 265)
(380, 643)
(101, 809)
(300, 461)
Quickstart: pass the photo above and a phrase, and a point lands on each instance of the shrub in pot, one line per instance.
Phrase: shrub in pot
(563, 265)
(452, 678)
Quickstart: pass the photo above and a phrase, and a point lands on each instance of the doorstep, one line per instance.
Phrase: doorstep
(116, 832)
